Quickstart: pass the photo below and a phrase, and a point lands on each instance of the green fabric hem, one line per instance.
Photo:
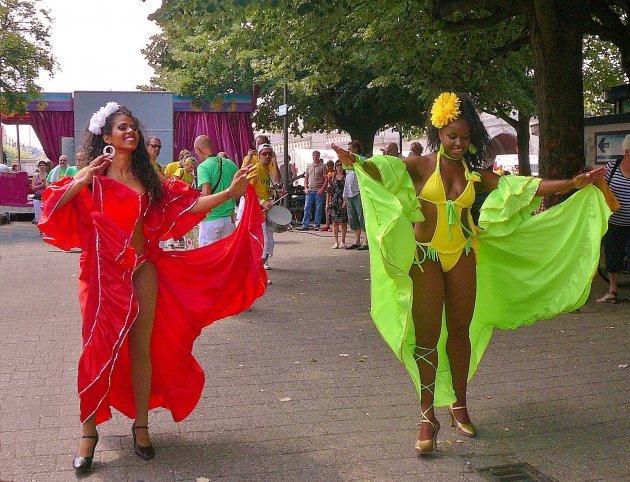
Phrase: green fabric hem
(509, 205)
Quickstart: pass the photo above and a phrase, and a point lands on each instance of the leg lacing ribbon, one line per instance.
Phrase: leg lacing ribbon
(430, 387)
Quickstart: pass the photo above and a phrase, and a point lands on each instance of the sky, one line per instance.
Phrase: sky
(80, 34)
(97, 44)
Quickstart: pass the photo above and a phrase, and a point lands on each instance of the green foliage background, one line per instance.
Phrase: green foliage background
(25, 51)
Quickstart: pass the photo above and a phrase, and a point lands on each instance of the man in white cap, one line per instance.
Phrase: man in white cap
(266, 172)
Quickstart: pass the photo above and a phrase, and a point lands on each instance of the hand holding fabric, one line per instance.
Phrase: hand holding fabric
(240, 181)
(586, 178)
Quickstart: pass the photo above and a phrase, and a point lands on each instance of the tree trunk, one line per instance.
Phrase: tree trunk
(366, 139)
(556, 32)
(362, 132)
(522, 141)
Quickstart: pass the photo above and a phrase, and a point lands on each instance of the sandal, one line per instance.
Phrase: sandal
(608, 297)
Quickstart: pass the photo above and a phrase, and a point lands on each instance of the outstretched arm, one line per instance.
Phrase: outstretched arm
(548, 186)
(490, 180)
(348, 158)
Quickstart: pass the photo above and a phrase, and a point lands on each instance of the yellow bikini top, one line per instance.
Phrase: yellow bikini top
(449, 211)
(433, 191)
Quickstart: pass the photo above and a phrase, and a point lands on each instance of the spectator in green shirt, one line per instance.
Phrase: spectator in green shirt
(60, 171)
(213, 175)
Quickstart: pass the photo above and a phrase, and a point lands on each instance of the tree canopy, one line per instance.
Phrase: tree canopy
(602, 69)
(210, 48)
(352, 65)
(25, 51)
(360, 65)
(555, 30)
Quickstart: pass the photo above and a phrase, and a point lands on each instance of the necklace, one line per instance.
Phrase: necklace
(443, 153)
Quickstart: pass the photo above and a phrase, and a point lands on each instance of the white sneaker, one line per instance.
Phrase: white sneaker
(266, 266)
(342, 245)
(335, 246)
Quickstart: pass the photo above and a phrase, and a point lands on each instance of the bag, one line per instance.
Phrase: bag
(220, 174)
(604, 186)
(37, 196)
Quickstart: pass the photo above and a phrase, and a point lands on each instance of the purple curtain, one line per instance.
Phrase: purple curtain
(229, 131)
(50, 127)
(14, 189)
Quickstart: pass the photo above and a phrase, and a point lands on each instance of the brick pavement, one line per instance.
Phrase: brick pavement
(552, 395)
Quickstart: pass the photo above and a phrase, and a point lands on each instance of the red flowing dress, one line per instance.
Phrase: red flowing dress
(195, 288)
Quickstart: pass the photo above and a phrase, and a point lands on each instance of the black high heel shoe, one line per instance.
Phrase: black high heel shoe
(84, 463)
(146, 453)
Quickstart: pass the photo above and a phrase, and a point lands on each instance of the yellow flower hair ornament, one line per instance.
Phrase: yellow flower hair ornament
(445, 109)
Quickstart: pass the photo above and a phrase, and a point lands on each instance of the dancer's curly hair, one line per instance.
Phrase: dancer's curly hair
(141, 167)
(478, 135)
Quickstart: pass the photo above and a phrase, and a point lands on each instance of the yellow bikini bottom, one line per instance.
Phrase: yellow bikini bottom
(447, 259)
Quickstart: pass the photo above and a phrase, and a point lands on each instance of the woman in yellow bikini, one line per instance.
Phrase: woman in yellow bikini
(425, 279)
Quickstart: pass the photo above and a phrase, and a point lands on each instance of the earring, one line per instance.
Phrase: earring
(472, 149)
(109, 151)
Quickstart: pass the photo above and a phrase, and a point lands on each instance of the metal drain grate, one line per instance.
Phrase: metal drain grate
(514, 473)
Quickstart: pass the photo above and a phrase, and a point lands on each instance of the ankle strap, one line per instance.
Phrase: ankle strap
(424, 419)
(90, 436)
(458, 408)
(136, 427)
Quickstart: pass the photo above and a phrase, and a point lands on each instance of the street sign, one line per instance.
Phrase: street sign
(282, 110)
(609, 146)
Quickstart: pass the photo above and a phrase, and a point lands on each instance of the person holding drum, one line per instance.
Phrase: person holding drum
(266, 173)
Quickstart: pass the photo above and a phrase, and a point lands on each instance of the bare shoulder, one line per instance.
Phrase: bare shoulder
(419, 166)
(489, 180)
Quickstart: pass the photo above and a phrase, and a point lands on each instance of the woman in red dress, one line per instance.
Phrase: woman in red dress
(137, 336)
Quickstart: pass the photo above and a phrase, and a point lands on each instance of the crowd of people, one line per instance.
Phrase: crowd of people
(433, 271)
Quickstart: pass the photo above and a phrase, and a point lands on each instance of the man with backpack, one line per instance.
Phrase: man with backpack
(214, 174)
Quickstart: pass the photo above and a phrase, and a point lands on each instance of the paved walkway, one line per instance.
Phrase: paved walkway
(302, 388)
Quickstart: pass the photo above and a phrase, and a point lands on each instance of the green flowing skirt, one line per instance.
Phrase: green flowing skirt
(530, 268)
